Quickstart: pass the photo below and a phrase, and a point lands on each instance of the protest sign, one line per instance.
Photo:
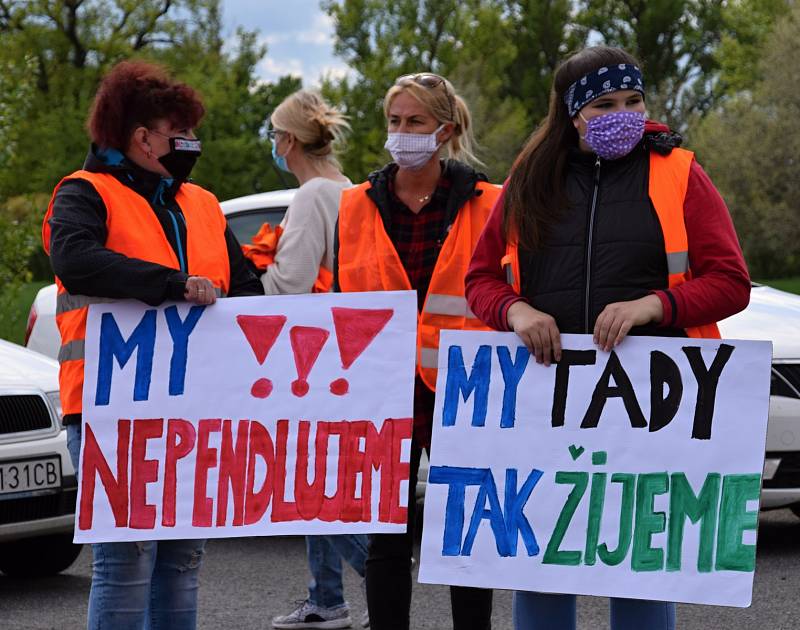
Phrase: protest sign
(253, 416)
(634, 473)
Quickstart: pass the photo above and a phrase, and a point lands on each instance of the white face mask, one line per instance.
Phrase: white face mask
(412, 150)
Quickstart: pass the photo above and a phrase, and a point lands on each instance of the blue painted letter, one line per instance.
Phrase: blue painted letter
(494, 515)
(142, 339)
(180, 331)
(512, 373)
(457, 479)
(515, 519)
(459, 383)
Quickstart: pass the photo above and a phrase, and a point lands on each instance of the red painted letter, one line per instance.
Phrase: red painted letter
(260, 446)
(94, 463)
(176, 428)
(282, 510)
(232, 470)
(206, 458)
(143, 471)
(309, 495)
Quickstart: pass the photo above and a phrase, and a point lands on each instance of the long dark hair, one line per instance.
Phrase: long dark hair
(536, 190)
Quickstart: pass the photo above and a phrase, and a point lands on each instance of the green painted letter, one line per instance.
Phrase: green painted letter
(552, 554)
(734, 519)
(644, 557)
(684, 504)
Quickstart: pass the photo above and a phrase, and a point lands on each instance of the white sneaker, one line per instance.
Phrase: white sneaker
(308, 615)
(365, 619)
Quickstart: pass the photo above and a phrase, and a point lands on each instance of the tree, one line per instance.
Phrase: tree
(747, 25)
(674, 39)
(751, 154)
(72, 43)
(499, 55)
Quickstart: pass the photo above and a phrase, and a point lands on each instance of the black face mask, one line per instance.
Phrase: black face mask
(181, 158)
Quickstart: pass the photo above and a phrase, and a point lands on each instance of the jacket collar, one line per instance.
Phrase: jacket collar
(156, 189)
(463, 187)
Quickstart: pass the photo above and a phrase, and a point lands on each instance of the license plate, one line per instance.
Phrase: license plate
(33, 474)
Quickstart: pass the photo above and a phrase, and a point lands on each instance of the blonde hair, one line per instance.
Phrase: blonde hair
(317, 126)
(447, 107)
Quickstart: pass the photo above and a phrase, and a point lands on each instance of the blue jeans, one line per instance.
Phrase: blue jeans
(148, 585)
(325, 554)
(542, 611)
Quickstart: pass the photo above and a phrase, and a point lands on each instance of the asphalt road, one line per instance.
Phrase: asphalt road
(245, 582)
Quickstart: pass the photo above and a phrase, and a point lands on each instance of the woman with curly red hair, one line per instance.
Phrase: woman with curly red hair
(129, 225)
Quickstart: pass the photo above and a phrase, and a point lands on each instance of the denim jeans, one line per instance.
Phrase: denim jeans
(325, 554)
(148, 585)
(542, 611)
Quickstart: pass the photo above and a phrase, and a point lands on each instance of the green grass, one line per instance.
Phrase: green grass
(792, 285)
(14, 310)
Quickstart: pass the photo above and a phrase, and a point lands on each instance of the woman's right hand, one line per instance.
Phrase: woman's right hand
(200, 290)
(537, 330)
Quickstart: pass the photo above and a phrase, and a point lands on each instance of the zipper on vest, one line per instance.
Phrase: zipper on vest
(589, 239)
(181, 258)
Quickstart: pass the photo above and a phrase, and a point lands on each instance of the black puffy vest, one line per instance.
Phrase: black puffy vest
(606, 247)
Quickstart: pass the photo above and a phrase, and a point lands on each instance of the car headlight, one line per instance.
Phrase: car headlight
(55, 401)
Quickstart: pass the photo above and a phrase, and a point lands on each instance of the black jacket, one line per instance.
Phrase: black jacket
(607, 246)
(78, 234)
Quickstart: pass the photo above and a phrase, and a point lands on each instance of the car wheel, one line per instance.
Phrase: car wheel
(38, 557)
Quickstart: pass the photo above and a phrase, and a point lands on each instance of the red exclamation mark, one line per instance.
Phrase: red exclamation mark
(355, 330)
(307, 343)
(261, 332)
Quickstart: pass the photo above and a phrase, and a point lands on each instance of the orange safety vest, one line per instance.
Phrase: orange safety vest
(262, 249)
(669, 179)
(368, 261)
(134, 230)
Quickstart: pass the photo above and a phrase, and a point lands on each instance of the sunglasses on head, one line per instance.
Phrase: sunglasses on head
(430, 81)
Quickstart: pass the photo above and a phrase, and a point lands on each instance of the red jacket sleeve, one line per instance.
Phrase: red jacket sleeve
(720, 286)
(487, 291)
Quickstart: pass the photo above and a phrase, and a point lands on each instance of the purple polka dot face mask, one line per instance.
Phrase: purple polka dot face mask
(614, 135)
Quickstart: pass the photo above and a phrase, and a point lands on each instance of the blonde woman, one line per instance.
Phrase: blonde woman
(304, 131)
(413, 225)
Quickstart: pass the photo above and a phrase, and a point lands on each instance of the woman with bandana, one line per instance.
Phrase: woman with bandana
(605, 227)
(129, 225)
(413, 225)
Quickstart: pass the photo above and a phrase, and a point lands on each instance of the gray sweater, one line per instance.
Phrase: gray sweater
(307, 239)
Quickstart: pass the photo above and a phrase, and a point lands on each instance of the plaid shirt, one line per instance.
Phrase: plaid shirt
(418, 239)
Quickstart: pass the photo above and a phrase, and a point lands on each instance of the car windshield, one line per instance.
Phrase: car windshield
(246, 224)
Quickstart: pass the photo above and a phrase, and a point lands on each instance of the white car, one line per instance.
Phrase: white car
(38, 487)
(772, 315)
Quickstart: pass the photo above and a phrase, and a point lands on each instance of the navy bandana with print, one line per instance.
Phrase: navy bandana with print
(602, 81)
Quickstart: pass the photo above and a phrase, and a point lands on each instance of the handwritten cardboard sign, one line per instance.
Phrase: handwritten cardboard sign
(634, 473)
(254, 416)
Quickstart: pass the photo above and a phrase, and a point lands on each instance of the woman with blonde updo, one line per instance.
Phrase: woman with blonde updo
(304, 131)
(413, 225)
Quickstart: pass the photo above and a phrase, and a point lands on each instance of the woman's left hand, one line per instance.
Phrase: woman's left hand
(617, 319)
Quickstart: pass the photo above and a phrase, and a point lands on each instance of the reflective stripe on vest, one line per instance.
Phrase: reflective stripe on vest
(453, 305)
(368, 261)
(668, 181)
(134, 230)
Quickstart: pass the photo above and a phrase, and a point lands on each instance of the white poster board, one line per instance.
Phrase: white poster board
(253, 416)
(632, 474)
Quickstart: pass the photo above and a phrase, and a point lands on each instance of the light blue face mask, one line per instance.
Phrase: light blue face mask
(280, 160)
